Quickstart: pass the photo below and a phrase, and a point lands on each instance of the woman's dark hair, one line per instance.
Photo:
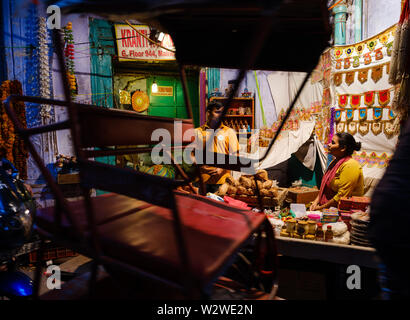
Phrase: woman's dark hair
(347, 140)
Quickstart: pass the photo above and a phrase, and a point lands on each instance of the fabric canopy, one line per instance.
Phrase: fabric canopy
(288, 143)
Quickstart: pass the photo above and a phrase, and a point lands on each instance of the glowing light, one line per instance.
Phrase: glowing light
(154, 87)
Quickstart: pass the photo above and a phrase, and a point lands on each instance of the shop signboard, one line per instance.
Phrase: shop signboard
(164, 91)
(132, 46)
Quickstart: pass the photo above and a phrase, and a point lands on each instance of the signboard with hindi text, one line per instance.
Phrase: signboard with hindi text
(132, 46)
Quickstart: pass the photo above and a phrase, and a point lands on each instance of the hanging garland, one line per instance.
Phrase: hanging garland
(332, 124)
(69, 54)
(44, 69)
(13, 145)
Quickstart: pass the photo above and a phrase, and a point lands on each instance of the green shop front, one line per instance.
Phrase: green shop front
(142, 77)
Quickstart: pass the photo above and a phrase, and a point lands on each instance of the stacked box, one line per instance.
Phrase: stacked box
(360, 203)
(330, 215)
(345, 203)
(354, 203)
(345, 215)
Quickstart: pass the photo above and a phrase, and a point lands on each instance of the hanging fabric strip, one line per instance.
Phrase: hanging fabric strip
(338, 53)
(343, 98)
(337, 79)
(378, 54)
(387, 67)
(377, 128)
(346, 63)
(363, 74)
(371, 44)
(384, 97)
(340, 127)
(349, 51)
(356, 61)
(355, 100)
(367, 58)
(352, 128)
(338, 64)
(373, 159)
(369, 98)
(377, 113)
(389, 129)
(362, 114)
(383, 159)
(377, 73)
(363, 128)
(349, 115)
(391, 113)
(359, 48)
(349, 79)
(338, 115)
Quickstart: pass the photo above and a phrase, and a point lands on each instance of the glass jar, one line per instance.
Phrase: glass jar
(291, 225)
(311, 227)
(302, 228)
(283, 232)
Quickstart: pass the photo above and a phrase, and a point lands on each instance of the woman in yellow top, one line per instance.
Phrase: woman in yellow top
(343, 177)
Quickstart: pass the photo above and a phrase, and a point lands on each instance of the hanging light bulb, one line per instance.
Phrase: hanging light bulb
(154, 87)
(161, 36)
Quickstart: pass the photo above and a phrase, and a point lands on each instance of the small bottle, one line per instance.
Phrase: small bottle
(320, 236)
(329, 234)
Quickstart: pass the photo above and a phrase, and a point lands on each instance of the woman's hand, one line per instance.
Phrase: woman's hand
(315, 205)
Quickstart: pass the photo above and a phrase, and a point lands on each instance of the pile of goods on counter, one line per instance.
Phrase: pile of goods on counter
(244, 189)
(341, 226)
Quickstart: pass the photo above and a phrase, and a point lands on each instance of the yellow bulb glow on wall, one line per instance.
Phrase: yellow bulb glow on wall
(154, 87)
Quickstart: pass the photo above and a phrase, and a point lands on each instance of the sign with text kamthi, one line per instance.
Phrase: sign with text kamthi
(164, 91)
(133, 46)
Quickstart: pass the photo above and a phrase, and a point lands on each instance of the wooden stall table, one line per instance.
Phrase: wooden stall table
(318, 270)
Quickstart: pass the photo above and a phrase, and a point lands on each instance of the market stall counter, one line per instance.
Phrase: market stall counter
(329, 252)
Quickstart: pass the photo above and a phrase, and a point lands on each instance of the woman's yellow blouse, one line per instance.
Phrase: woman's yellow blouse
(348, 180)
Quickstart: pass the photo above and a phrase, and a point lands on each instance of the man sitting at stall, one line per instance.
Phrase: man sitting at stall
(225, 141)
(343, 177)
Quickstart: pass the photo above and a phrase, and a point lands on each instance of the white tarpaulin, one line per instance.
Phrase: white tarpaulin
(283, 148)
(284, 86)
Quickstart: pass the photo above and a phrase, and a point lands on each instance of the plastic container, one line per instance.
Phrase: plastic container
(314, 217)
